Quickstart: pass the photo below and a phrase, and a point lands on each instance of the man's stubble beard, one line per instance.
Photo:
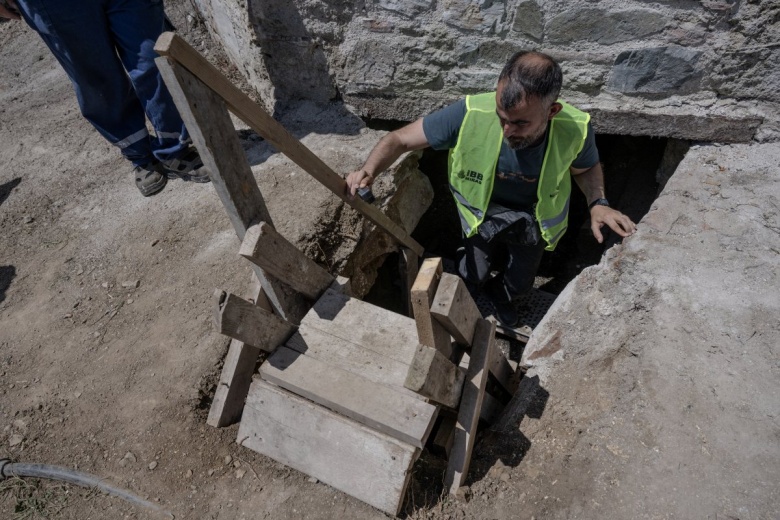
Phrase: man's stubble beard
(521, 143)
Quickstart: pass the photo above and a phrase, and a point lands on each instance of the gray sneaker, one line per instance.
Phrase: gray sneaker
(150, 179)
(188, 167)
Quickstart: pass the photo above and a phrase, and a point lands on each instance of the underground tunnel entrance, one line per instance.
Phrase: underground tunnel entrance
(635, 170)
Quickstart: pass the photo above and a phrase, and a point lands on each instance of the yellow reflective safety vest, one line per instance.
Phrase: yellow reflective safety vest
(472, 165)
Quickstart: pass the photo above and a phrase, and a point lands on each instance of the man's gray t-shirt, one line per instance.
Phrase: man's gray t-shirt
(518, 171)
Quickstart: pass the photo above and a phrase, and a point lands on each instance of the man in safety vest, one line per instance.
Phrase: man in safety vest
(513, 153)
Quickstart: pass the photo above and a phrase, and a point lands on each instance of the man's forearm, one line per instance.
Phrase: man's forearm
(591, 182)
(384, 154)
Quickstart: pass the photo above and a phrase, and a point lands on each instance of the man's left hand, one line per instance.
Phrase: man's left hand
(617, 222)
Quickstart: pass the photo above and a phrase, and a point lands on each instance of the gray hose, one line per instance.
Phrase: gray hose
(11, 469)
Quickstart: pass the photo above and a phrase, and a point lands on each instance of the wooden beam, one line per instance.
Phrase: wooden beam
(248, 323)
(237, 370)
(429, 331)
(434, 376)
(501, 368)
(445, 435)
(408, 267)
(454, 308)
(269, 250)
(169, 44)
(213, 133)
(470, 406)
(441, 443)
(379, 407)
(369, 465)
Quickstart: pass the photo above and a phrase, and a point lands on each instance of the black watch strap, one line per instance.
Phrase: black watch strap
(598, 202)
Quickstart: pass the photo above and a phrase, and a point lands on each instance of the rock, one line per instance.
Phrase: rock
(486, 17)
(27, 219)
(463, 494)
(240, 473)
(228, 459)
(661, 71)
(130, 300)
(604, 26)
(312, 480)
(529, 20)
(130, 456)
(152, 464)
(131, 284)
(211, 472)
(188, 474)
(408, 8)
(77, 394)
(155, 242)
(15, 440)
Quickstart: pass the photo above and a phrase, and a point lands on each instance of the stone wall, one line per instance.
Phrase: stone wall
(702, 70)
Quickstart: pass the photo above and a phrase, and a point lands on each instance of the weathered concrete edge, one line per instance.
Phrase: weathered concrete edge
(679, 123)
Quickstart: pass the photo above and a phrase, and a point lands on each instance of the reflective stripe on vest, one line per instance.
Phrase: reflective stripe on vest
(472, 165)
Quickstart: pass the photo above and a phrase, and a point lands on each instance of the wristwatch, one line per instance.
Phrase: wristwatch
(598, 202)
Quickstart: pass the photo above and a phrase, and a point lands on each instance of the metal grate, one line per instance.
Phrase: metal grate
(531, 308)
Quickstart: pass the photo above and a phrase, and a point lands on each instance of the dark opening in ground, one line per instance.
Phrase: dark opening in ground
(633, 173)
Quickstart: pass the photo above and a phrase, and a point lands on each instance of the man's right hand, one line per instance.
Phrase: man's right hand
(356, 180)
(9, 9)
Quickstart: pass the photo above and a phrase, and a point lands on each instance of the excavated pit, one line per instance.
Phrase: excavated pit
(635, 171)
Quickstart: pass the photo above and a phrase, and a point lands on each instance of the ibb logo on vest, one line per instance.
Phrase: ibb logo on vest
(471, 175)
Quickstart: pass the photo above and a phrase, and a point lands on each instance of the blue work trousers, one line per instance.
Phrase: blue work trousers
(107, 49)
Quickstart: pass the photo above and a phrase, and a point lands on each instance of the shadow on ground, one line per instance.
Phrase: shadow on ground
(502, 442)
(7, 188)
(7, 274)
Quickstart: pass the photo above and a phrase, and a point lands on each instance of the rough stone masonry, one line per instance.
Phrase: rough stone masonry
(704, 70)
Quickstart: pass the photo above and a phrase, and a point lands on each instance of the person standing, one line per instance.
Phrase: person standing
(107, 50)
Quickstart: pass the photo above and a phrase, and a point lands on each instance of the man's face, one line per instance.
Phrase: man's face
(525, 123)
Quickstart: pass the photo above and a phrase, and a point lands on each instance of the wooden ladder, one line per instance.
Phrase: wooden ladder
(350, 393)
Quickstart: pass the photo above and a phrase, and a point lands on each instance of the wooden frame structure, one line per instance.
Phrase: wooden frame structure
(350, 392)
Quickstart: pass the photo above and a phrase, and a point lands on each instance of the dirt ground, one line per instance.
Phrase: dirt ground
(108, 357)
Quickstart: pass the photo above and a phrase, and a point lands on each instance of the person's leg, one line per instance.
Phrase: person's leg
(522, 264)
(474, 260)
(76, 31)
(135, 26)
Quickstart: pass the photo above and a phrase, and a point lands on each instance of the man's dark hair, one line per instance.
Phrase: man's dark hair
(530, 74)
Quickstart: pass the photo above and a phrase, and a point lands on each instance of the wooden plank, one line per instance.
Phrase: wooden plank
(501, 368)
(408, 267)
(213, 133)
(349, 356)
(269, 250)
(429, 331)
(470, 406)
(248, 323)
(369, 465)
(169, 44)
(441, 444)
(352, 395)
(237, 370)
(454, 308)
(373, 328)
(434, 376)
